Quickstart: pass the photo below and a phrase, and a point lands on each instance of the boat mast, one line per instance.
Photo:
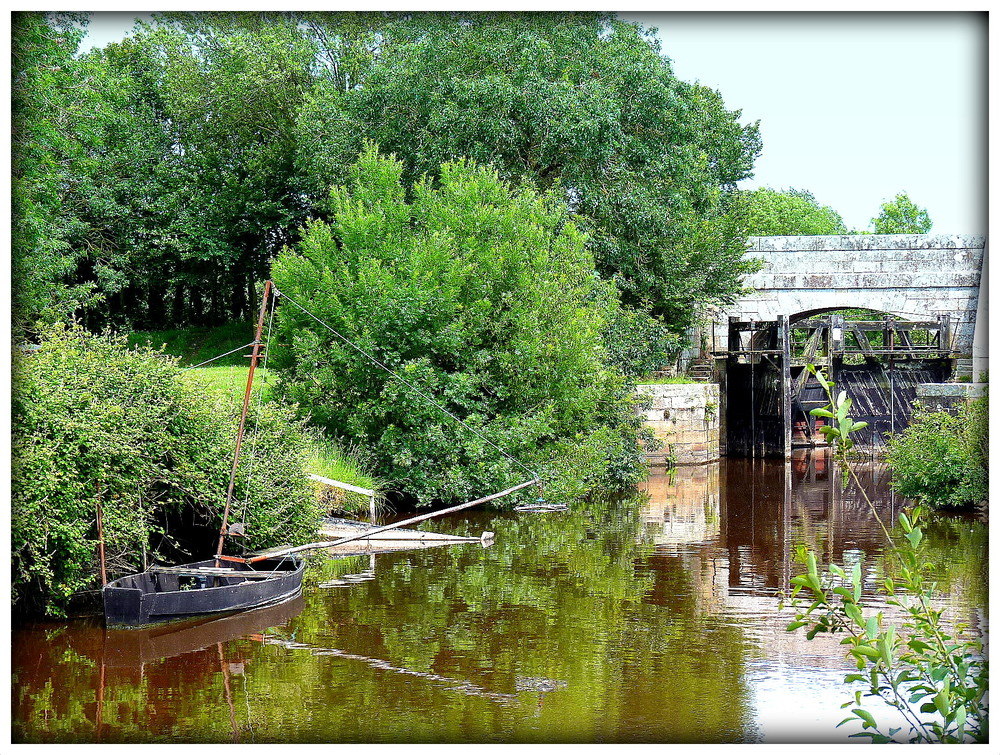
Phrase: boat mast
(243, 417)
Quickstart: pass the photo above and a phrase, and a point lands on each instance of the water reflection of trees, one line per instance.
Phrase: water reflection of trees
(631, 621)
(732, 531)
(551, 627)
(752, 512)
(723, 542)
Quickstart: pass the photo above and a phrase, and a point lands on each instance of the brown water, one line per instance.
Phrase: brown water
(653, 619)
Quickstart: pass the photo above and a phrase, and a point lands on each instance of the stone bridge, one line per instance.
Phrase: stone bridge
(912, 276)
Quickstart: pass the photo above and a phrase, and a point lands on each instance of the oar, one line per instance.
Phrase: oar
(368, 533)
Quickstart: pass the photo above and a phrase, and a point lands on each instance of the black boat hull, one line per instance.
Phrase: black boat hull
(154, 597)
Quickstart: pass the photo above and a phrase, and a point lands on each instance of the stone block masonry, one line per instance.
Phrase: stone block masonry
(912, 276)
(685, 419)
(948, 396)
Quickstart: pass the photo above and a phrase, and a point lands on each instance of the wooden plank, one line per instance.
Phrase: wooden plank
(207, 571)
(336, 530)
(411, 520)
(863, 342)
(343, 485)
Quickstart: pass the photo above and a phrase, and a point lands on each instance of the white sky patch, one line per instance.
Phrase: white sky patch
(854, 107)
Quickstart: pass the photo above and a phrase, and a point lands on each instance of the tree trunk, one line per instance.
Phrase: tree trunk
(197, 306)
(157, 305)
(239, 300)
(177, 307)
(215, 307)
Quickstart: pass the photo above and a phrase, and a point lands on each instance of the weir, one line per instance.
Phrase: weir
(917, 318)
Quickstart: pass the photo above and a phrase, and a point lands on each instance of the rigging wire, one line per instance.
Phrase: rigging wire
(404, 381)
(233, 351)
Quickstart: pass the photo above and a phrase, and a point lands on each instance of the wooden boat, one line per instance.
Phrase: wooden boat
(169, 593)
(220, 585)
(229, 583)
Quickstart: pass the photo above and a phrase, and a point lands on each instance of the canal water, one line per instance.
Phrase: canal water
(653, 618)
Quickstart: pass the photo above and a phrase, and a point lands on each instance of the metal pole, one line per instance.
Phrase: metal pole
(784, 332)
(100, 538)
(753, 398)
(243, 416)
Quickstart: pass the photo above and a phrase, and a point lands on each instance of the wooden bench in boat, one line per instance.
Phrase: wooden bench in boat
(207, 571)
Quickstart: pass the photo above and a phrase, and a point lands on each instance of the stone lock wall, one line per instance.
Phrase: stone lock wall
(685, 418)
(948, 396)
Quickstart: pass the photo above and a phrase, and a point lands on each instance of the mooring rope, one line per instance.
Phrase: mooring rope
(405, 382)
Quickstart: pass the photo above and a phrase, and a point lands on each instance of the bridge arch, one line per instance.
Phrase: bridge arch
(910, 276)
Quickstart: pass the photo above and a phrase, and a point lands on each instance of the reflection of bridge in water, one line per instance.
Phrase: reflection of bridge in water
(724, 536)
(755, 511)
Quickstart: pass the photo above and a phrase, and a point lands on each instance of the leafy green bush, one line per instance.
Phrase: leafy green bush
(792, 212)
(94, 422)
(482, 296)
(941, 458)
(637, 344)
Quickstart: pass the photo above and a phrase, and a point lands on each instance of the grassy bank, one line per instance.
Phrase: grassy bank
(228, 376)
(196, 345)
(672, 380)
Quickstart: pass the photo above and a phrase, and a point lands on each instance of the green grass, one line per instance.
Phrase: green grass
(675, 380)
(195, 345)
(232, 380)
(228, 377)
(344, 464)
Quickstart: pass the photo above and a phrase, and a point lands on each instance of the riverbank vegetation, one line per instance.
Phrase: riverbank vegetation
(942, 458)
(96, 425)
(226, 377)
(477, 294)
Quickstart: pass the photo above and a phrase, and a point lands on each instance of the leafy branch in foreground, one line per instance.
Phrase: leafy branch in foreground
(934, 675)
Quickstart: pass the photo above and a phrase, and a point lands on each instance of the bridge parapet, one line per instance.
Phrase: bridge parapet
(912, 276)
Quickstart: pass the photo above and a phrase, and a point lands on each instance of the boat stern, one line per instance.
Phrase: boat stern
(123, 606)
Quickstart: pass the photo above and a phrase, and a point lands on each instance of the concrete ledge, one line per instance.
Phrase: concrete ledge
(948, 396)
(865, 242)
(685, 419)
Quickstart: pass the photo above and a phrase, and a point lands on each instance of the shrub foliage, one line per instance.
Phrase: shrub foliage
(941, 458)
(95, 423)
(480, 295)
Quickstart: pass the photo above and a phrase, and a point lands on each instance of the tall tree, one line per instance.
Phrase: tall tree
(792, 212)
(582, 103)
(52, 135)
(901, 215)
(201, 188)
(204, 140)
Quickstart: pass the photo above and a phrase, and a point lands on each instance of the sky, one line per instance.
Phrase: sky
(854, 107)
